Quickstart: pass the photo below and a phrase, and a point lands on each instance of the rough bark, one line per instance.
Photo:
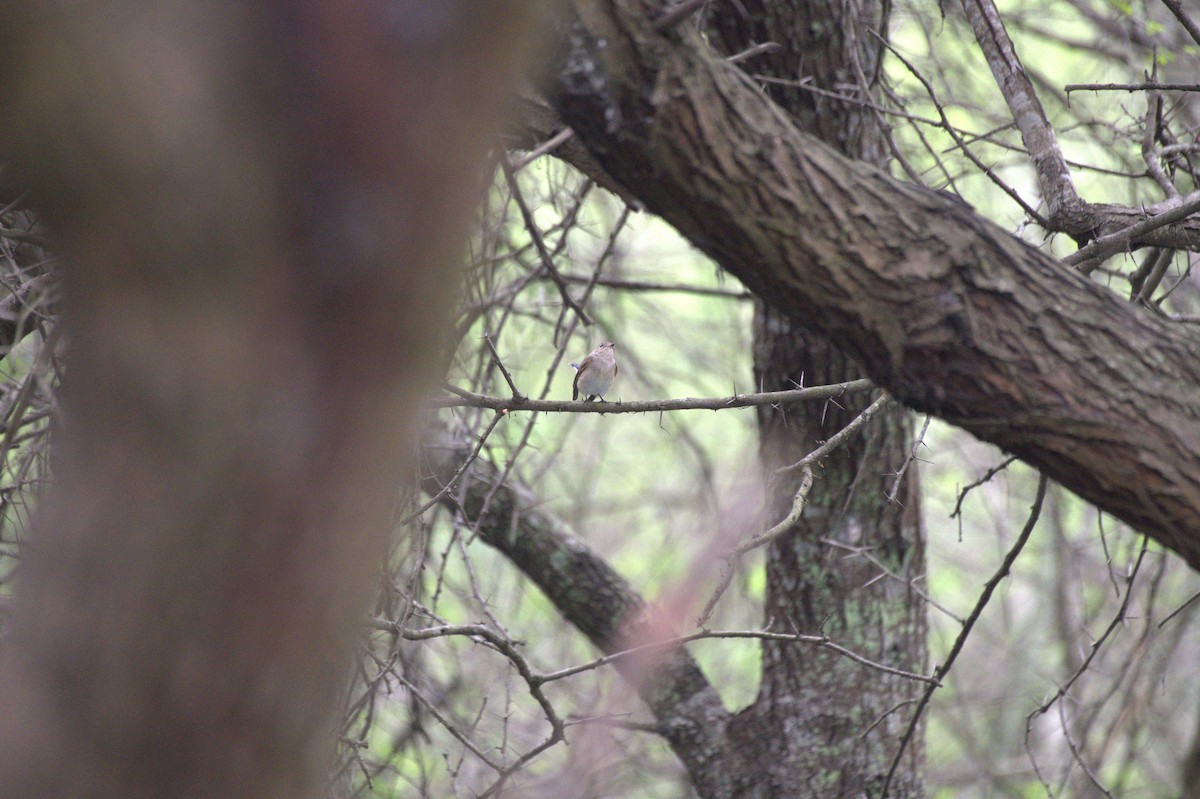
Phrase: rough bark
(260, 205)
(952, 314)
(822, 726)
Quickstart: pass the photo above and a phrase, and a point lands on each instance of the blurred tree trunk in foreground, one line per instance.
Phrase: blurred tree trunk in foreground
(261, 206)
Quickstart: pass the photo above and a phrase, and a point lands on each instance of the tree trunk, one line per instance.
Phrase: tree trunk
(822, 726)
(260, 205)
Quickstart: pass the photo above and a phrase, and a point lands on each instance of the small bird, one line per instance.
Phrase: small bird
(595, 375)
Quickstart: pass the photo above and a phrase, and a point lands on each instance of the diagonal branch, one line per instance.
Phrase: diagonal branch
(950, 314)
(1187, 22)
(1054, 178)
(1005, 566)
(592, 596)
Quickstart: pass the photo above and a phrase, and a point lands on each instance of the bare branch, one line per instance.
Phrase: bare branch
(733, 556)
(1146, 86)
(473, 400)
(590, 594)
(536, 234)
(941, 671)
(836, 441)
(912, 457)
(678, 14)
(1088, 258)
(1186, 21)
(762, 635)
(516, 393)
(1054, 178)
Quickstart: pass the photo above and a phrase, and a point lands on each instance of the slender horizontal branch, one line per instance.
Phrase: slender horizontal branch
(468, 399)
(645, 285)
(534, 679)
(1131, 87)
(762, 635)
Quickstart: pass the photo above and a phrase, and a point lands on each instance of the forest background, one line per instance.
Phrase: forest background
(542, 553)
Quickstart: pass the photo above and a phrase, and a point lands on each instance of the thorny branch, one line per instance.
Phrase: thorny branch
(469, 399)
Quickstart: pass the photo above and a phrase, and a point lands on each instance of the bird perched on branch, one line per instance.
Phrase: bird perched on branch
(595, 375)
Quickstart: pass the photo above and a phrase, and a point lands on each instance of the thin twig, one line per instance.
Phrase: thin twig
(1096, 646)
(864, 552)
(806, 480)
(548, 146)
(1150, 135)
(1117, 620)
(677, 14)
(836, 440)
(1078, 756)
(988, 475)
(450, 728)
(517, 395)
(643, 285)
(506, 647)
(734, 555)
(750, 52)
(453, 481)
(804, 465)
(1146, 86)
(944, 669)
(912, 456)
(764, 635)
(539, 243)
(945, 125)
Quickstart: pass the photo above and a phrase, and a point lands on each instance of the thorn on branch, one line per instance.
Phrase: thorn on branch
(517, 395)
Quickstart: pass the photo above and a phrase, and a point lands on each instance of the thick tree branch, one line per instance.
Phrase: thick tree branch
(948, 312)
(590, 595)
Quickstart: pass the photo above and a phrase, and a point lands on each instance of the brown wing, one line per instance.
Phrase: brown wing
(575, 382)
